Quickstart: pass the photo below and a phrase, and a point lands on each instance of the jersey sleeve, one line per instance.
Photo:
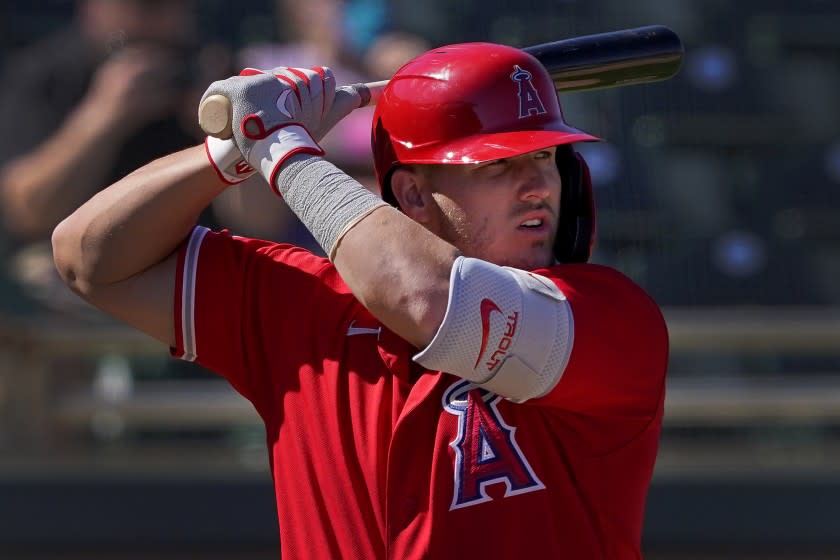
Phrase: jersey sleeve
(619, 356)
(243, 307)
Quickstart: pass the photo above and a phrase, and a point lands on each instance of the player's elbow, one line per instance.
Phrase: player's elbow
(68, 256)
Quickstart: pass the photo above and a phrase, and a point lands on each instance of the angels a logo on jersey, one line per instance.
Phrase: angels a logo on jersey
(529, 97)
(485, 448)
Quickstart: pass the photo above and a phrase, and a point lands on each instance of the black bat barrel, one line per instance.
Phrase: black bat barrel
(618, 58)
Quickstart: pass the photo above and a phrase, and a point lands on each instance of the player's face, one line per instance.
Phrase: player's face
(504, 211)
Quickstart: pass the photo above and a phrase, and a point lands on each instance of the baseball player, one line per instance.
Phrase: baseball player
(453, 380)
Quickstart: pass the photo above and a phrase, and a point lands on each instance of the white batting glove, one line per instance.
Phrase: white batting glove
(314, 93)
(282, 113)
(227, 160)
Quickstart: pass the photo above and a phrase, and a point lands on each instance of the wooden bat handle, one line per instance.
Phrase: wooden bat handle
(368, 93)
(215, 116)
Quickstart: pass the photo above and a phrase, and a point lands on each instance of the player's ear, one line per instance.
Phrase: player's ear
(407, 184)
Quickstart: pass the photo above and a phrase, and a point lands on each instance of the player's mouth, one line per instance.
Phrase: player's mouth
(536, 223)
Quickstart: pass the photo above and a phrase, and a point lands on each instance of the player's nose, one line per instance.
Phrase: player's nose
(532, 183)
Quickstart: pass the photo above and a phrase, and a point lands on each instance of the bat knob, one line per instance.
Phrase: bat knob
(215, 117)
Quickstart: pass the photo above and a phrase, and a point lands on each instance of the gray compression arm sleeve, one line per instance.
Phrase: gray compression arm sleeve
(327, 200)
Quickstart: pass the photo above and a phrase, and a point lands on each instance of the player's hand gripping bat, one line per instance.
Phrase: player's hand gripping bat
(604, 60)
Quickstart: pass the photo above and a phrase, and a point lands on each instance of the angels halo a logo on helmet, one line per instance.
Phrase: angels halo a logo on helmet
(529, 98)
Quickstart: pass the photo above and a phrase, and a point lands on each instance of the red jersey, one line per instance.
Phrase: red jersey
(374, 457)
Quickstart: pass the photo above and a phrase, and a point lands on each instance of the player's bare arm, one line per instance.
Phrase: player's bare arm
(117, 251)
(399, 270)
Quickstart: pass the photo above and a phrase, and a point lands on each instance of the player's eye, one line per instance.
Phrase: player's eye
(494, 166)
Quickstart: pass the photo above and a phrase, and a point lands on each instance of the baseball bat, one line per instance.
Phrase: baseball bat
(604, 60)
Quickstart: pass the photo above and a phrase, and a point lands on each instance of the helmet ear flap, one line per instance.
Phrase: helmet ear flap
(576, 229)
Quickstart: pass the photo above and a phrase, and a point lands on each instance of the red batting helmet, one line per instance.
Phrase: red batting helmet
(478, 102)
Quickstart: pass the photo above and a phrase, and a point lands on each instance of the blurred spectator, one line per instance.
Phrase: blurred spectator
(353, 38)
(111, 91)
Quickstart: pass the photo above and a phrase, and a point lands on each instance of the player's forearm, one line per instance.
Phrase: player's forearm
(43, 187)
(399, 271)
(135, 223)
(394, 266)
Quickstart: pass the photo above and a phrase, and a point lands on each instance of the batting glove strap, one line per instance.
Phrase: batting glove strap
(272, 152)
(227, 160)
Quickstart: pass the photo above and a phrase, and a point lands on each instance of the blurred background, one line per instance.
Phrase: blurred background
(718, 191)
